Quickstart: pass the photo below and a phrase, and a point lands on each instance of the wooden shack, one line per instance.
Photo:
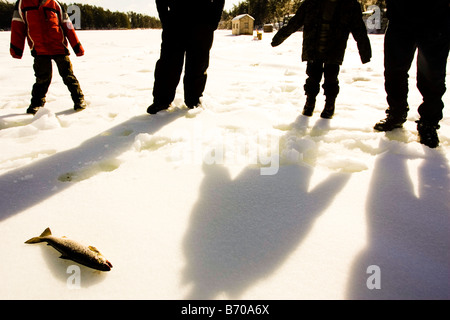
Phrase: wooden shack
(268, 28)
(243, 24)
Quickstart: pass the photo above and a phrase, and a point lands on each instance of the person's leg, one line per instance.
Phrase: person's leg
(399, 50)
(330, 88)
(314, 71)
(168, 70)
(431, 72)
(197, 63)
(65, 70)
(433, 50)
(43, 72)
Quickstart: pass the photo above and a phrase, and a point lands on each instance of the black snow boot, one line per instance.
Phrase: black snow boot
(328, 111)
(194, 105)
(310, 104)
(428, 133)
(33, 109)
(79, 105)
(391, 122)
(155, 108)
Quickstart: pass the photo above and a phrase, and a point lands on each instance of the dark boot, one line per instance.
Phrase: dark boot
(155, 108)
(194, 105)
(33, 109)
(428, 133)
(392, 121)
(328, 111)
(79, 105)
(310, 104)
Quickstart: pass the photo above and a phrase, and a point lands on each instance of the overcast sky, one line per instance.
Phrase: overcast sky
(140, 6)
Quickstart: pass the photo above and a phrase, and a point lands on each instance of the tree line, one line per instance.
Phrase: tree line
(95, 18)
(275, 11)
(263, 11)
(92, 18)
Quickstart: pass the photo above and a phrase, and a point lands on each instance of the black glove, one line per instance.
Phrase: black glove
(278, 39)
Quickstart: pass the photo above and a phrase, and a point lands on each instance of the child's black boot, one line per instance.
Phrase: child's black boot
(310, 104)
(33, 109)
(328, 111)
(80, 105)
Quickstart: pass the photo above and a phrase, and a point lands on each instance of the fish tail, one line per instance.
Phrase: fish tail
(34, 240)
(46, 232)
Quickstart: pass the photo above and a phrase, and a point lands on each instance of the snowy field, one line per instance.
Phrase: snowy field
(241, 199)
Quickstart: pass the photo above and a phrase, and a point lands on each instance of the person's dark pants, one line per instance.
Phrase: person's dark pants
(43, 71)
(193, 45)
(330, 72)
(400, 46)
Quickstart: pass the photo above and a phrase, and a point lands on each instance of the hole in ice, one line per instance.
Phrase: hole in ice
(90, 171)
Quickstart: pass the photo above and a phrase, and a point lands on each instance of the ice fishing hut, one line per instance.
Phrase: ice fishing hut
(268, 28)
(243, 24)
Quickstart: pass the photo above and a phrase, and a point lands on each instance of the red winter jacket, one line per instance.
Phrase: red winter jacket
(46, 26)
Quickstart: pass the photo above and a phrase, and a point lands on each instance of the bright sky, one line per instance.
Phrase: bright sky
(139, 6)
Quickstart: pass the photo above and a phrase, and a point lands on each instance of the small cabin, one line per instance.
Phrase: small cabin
(268, 28)
(243, 24)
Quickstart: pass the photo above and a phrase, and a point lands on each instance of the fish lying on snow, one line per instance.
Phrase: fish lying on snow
(72, 250)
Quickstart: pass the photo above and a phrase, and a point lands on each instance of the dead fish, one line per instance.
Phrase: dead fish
(72, 250)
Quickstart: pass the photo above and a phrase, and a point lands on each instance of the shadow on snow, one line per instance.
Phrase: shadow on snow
(27, 186)
(408, 234)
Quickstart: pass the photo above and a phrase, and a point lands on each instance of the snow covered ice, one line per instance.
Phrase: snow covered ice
(179, 202)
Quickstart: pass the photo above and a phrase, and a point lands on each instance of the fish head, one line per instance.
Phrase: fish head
(103, 263)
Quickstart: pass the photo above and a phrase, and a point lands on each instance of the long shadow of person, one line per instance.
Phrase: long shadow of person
(26, 186)
(408, 234)
(242, 230)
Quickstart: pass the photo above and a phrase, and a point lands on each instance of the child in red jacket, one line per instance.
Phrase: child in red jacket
(47, 27)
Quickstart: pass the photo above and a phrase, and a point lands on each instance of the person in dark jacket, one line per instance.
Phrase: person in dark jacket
(48, 29)
(425, 27)
(326, 28)
(188, 33)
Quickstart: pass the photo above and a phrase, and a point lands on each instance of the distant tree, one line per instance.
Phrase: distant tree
(93, 17)
(281, 9)
(138, 20)
(6, 13)
(259, 9)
